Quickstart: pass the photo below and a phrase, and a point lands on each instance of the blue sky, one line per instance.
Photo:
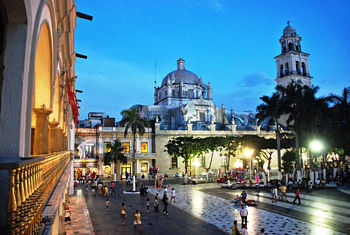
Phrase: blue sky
(229, 43)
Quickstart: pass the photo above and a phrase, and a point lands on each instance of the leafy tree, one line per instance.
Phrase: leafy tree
(182, 147)
(115, 154)
(211, 144)
(271, 110)
(131, 120)
(289, 160)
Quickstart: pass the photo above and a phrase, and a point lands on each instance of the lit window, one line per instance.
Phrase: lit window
(144, 147)
(106, 147)
(126, 147)
(144, 167)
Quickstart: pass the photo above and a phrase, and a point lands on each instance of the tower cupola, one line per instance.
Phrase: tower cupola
(292, 64)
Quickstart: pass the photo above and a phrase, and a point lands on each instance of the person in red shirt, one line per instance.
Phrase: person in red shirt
(297, 196)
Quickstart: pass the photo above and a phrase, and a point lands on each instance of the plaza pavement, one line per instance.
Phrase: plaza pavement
(317, 214)
(207, 209)
(109, 222)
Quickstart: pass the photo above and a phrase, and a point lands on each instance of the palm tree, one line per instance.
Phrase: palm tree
(132, 120)
(307, 114)
(271, 110)
(115, 154)
(292, 101)
(341, 122)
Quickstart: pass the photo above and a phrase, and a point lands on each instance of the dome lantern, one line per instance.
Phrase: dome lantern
(181, 64)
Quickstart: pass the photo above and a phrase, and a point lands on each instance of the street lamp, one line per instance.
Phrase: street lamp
(316, 146)
(196, 164)
(248, 153)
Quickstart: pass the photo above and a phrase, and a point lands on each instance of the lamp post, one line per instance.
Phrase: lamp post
(316, 147)
(248, 153)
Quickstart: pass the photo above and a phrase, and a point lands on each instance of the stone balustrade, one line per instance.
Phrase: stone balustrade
(31, 182)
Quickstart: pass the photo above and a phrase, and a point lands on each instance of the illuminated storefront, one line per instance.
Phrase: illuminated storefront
(84, 167)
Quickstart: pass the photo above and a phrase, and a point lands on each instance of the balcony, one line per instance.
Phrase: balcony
(142, 155)
(31, 182)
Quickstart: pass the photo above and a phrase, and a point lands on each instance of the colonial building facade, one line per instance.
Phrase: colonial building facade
(37, 90)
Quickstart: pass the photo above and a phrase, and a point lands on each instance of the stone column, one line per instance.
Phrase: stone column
(59, 140)
(41, 140)
(53, 143)
(189, 127)
(65, 143)
(212, 127)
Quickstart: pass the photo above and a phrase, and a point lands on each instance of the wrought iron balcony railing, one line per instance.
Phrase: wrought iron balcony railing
(32, 181)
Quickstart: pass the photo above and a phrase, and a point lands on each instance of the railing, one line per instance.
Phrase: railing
(31, 182)
(141, 155)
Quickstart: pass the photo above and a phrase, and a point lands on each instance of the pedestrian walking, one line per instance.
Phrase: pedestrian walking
(123, 213)
(87, 188)
(235, 229)
(284, 192)
(137, 220)
(67, 215)
(148, 203)
(165, 203)
(105, 190)
(275, 192)
(173, 196)
(244, 230)
(297, 192)
(156, 203)
(244, 214)
(107, 204)
(243, 196)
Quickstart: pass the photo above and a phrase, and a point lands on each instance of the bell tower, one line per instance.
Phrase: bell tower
(292, 64)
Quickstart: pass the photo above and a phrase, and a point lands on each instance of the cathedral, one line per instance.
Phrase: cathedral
(183, 106)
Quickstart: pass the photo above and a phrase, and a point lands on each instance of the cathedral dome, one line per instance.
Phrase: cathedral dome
(181, 75)
(289, 30)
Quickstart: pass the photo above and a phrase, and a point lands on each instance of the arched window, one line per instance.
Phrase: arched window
(303, 68)
(281, 70)
(287, 69)
(297, 48)
(297, 65)
(290, 46)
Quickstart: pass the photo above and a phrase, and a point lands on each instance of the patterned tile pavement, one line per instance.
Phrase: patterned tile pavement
(81, 222)
(221, 213)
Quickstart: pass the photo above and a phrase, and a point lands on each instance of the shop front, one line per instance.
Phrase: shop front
(85, 168)
(126, 170)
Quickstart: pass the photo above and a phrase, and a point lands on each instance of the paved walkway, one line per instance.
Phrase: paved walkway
(109, 222)
(213, 205)
(81, 222)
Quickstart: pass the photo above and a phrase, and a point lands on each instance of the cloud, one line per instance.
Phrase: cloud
(215, 5)
(257, 79)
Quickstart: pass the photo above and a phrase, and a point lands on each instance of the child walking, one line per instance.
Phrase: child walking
(173, 195)
(137, 220)
(148, 203)
(107, 204)
(156, 203)
(123, 213)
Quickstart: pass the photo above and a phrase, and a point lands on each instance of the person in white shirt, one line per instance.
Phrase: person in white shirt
(244, 214)
(244, 230)
(173, 195)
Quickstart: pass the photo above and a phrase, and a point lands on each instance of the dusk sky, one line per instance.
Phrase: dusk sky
(231, 44)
